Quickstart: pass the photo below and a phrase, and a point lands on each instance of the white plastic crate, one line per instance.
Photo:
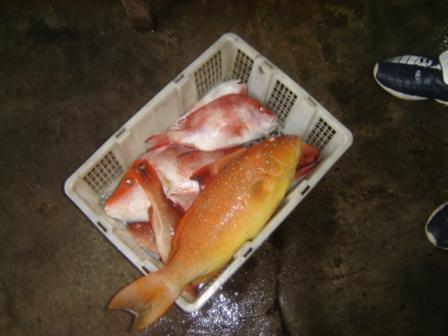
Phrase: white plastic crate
(228, 58)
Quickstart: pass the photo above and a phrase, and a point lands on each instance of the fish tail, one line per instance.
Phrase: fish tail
(148, 298)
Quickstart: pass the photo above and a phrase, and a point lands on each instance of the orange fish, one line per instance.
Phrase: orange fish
(232, 209)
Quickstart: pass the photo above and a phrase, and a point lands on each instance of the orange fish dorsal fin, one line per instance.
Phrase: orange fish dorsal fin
(205, 174)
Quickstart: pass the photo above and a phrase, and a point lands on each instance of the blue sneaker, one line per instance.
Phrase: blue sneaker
(413, 77)
(437, 227)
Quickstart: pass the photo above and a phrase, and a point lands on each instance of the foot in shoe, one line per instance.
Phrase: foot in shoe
(413, 77)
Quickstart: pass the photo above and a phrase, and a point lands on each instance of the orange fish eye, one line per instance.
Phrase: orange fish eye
(129, 181)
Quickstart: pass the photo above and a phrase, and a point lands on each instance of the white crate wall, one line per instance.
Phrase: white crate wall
(228, 58)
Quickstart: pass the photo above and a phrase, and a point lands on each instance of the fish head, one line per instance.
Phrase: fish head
(259, 116)
(128, 202)
(266, 119)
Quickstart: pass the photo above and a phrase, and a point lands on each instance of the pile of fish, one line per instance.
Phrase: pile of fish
(197, 195)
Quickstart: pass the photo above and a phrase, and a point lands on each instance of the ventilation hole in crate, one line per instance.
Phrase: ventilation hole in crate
(101, 226)
(104, 172)
(281, 101)
(242, 66)
(321, 134)
(209, 74)
(246, 254)
(304, 191)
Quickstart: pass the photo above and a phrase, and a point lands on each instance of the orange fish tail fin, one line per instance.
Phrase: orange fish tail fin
(148, 298)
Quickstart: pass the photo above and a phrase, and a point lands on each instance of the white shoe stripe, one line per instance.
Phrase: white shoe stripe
(415, 60)
(443, 59)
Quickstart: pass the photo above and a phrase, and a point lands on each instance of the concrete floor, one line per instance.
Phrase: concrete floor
(352, 259)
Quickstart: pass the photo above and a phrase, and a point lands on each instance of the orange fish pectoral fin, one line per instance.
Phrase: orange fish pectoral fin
(190, 292)
(268, 186)
(206, 277)
(260, 188)
(205, 174)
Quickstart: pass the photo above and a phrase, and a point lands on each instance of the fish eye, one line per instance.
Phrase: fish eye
(129, 181)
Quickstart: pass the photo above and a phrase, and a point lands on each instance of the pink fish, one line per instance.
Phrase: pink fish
(174, 165)
(225, 88)
(228, 121)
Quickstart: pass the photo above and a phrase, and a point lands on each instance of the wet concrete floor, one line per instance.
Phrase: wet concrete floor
(352, 259)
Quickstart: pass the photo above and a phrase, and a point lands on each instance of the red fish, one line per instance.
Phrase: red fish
(164, 215)
(308, 160)
(225, 88)
(128, 203)
(174, 165)
(227, 121)
(143, 234)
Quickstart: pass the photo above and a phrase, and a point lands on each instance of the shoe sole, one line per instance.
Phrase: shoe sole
(400, 94)
(429, 234)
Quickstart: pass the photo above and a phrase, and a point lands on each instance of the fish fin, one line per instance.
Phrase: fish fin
(205, 277)
(148, 298)
(190, 292)
(143, 234)
(262, 187)
(309, 154)
(303, 171)
(160, 140)
(205, 174)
